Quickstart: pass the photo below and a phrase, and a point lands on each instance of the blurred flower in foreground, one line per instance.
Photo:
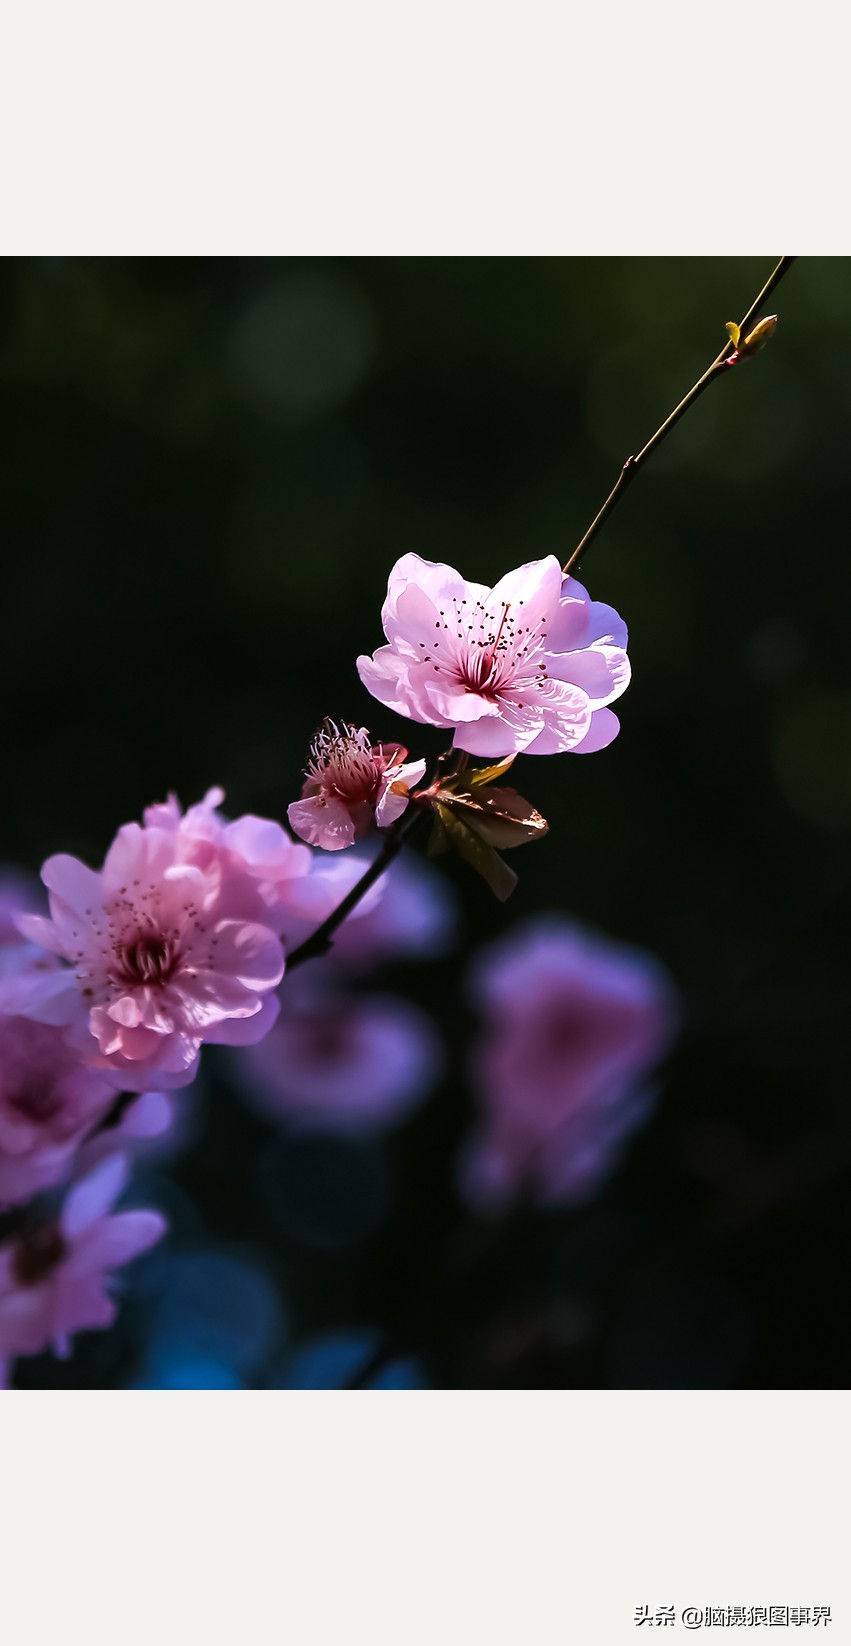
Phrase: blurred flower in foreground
(48, 1102)
(170, 945)
(526, 667)
(340, 1061)
(54, 1280)
(409, 913)
(572, 1024)
(352, 785)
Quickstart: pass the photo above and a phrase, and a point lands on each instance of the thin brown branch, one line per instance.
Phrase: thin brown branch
(633, 464)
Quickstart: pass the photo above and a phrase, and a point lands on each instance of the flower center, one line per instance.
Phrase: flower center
(343, 763)
(147, 961)
(36, 1254)
(489, 651)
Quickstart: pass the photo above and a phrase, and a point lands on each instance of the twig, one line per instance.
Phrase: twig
(633, 464)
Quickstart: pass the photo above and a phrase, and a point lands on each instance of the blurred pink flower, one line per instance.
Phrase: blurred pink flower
(339, 1061)
(408, 914)
(48, 1103)
(572, 1025)
(54, 1280)
(352, 785)
(526, 667)
(414, 918)
(167, 947)
(313, 898)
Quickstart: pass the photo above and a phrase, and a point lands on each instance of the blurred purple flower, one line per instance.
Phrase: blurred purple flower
(526, 667)
(54, 1280)
(408, 914)
(48, 1102)
(167, 947)
(572, 1025)
(19, 894)
(352, 786)
(338, 1061)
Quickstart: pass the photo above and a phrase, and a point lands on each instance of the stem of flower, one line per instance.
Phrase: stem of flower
(633, 464)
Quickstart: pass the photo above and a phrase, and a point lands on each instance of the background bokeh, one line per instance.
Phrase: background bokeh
(209, 467)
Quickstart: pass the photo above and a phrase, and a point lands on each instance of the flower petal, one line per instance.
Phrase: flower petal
(534, 588)
(48, 996)
(603, 731)
(93, 1196)
(323, 822)
(78, 886)
(250, 953)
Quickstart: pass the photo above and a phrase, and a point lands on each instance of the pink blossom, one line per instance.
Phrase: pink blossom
(48, 1102)
(341, 1061)
(54, 1280)
(572, 1025)
(529, 666)
(170, 945)
(249, 845)
(352, 784)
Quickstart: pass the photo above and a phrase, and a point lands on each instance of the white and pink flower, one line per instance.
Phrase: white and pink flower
(529, 666)
(173, 943)
(55, 1279)
(352, 786)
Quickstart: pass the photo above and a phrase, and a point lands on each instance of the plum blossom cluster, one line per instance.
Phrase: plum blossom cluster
(180, 940)
(177, 941)
(530, 666)
(105, 1003)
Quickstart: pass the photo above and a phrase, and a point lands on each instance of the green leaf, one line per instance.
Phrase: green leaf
(734, 334)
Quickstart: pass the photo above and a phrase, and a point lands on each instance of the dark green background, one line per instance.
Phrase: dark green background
(208, 468)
